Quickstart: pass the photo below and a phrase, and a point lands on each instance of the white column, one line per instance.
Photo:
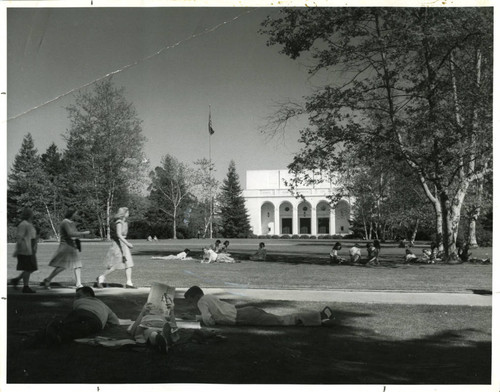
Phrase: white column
(332, 221)
(314, 221)
(277, 226)
(295, 220)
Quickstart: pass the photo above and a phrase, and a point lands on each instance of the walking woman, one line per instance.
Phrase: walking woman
(26, 245)
(119, 256)
(67, 254)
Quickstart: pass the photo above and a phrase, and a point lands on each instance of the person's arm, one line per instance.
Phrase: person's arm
(21, 234)
(120, 236)
(112, 317)
(206, 316)
(72, 232)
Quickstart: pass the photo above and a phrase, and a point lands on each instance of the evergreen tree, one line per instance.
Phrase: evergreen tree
(234, 215)
(26, 185)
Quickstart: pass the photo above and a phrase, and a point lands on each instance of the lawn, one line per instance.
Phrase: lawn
(291, 264)
(366, 344)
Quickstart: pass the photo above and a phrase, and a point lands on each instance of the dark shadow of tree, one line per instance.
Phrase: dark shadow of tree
(337, 354)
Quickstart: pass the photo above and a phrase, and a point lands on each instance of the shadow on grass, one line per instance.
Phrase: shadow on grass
(339, 354)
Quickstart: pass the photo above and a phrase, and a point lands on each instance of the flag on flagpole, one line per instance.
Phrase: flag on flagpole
(210, 129)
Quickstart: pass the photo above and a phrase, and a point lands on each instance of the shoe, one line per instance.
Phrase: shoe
(27, 289)
(45, 283)
(326, 314)
(79, 286)
(98, 283)
(130, 286)
(14, 282)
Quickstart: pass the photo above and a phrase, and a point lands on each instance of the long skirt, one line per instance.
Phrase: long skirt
(26, 263)
(66, 257)
(115, 257)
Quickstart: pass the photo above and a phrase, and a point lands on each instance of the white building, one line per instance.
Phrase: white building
(274, 210)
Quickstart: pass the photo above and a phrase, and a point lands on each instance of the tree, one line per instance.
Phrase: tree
(104, 151)
(56, 185)
(27, 186)
(205, 192)
(234, 215)
(414, 84)
(170, 189)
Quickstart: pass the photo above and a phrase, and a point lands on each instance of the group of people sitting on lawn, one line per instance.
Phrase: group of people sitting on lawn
(216, 253)
(355, 257)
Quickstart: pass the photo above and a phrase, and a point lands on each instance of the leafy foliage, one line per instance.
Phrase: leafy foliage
(409, 85)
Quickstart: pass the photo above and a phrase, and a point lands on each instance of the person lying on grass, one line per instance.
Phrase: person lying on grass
(217, 312)
(89, 315)
(179, 256)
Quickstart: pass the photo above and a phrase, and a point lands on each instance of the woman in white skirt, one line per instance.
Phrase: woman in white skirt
(119, 256)
(67, 254)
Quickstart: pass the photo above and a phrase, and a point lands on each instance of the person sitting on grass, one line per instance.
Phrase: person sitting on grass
(209, 256)
(217, 312)
(372, 255)
(179, 256)
(89, 315)
(355, 253)
(261, 254)
(223, 248)
(216, 247)
(334, 258)
(410, 257)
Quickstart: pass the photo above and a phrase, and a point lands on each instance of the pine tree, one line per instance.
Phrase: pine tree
(26, 184)
(234, 215)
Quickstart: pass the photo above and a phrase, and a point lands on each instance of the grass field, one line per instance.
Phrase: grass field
(368, 343)
(291, 264)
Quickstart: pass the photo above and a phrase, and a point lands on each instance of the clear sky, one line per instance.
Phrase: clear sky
(51, 51)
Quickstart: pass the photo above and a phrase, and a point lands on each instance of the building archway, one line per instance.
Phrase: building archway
(267, 218)
(342, 215)
(304, 217)
(323, 217)
(286, 218)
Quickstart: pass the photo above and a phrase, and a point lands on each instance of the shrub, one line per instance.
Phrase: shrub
(312, 237)
(180, 236)
(11, 233)
(252, 235)
(304, 236)
(261, 237)
(336, 237)
(275, 237)
(295, 237)
(268, 236)
(285, 237)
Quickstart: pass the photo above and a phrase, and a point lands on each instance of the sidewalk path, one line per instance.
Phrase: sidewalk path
(324, 296)
(388, 297)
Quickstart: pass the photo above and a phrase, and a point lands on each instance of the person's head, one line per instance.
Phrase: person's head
(262, 245)
(337, 246)
(70, 213)
(433, 245)
(376, 244)
(186, 251)
(122, 213)
(369, 245)
(408, 251)
(217, 242)
(27, 214)
(84, 291)
(226, 243)
(193, 294)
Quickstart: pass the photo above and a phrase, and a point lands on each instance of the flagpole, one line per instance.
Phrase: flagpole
(210, 165)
